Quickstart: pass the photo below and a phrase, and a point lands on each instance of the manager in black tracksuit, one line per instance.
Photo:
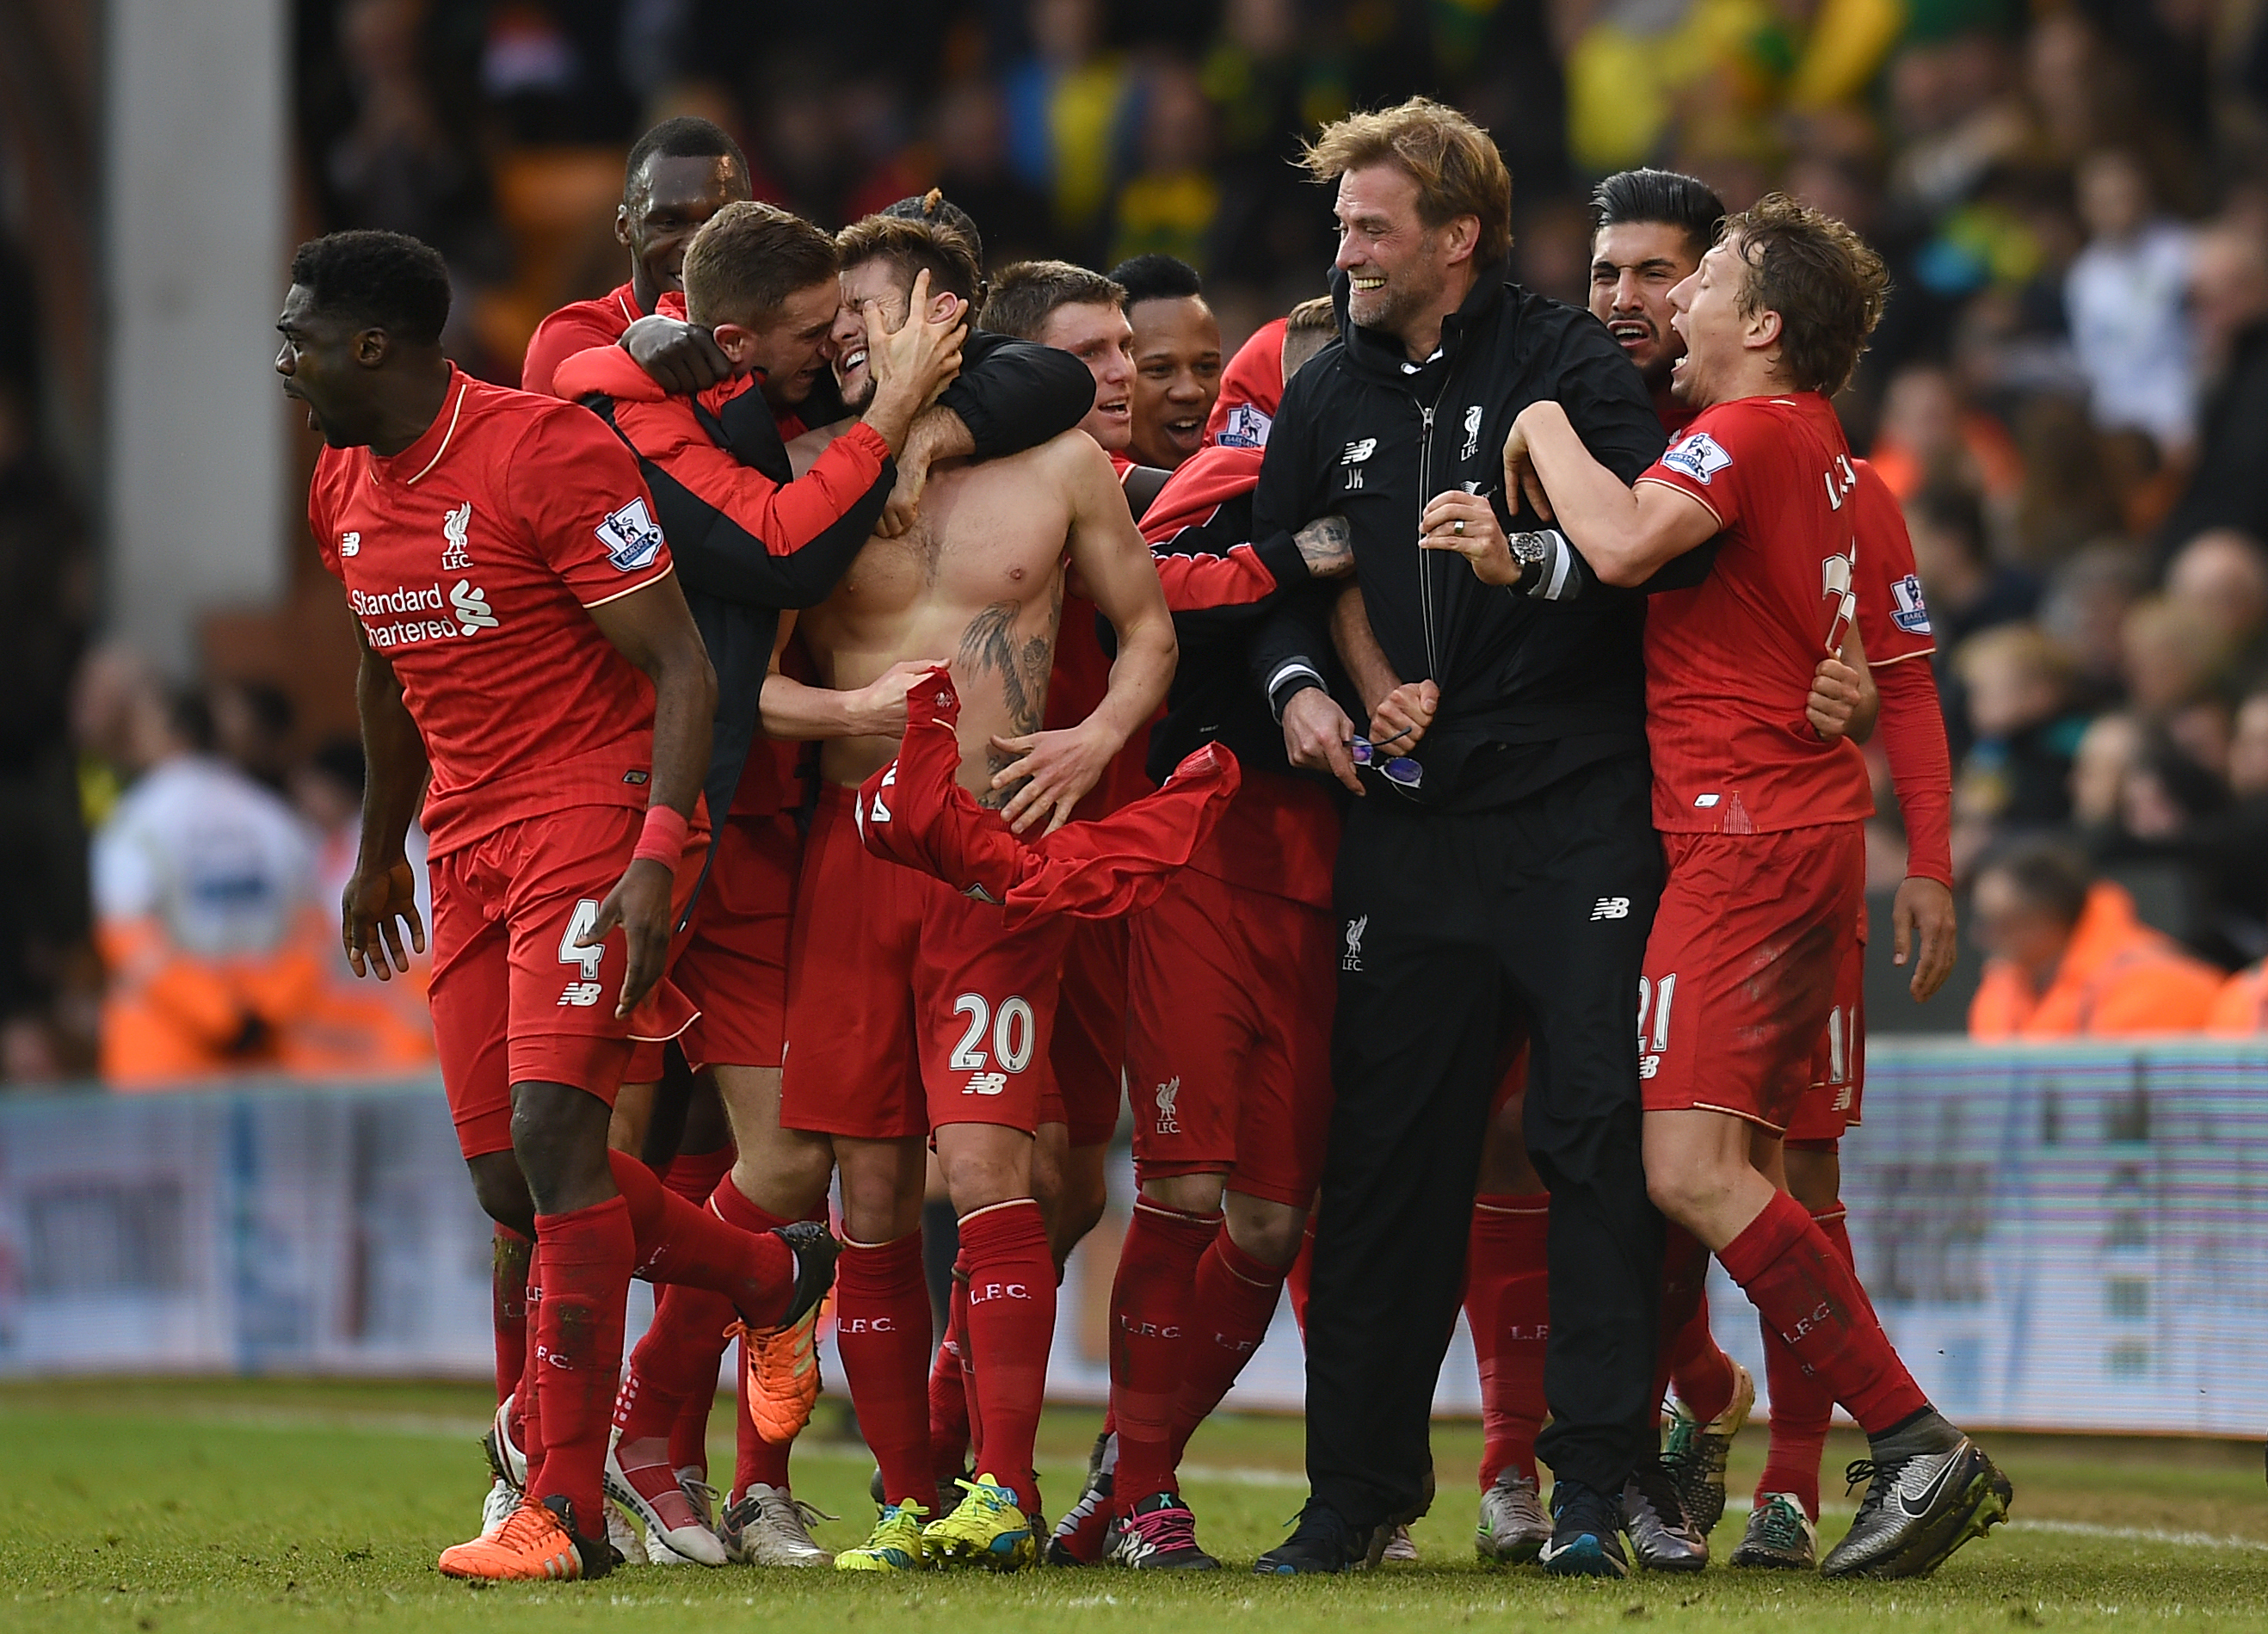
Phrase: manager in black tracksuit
(1514, 885)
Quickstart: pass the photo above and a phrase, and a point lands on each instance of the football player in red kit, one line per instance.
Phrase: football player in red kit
(553, 704)
(1762, 819)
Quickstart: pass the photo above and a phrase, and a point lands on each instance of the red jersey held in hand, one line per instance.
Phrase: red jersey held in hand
(577, 326)
(470, 558)
(1729, 663)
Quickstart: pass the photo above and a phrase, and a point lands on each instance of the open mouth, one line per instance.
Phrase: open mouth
(1630, 331)
(1118, 410)
(1185, 433)
(1366, 284)
(854, 360)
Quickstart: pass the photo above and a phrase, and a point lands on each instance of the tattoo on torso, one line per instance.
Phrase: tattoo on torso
(990, 644)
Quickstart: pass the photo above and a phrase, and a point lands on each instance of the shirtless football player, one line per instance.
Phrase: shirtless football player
(913, 1011)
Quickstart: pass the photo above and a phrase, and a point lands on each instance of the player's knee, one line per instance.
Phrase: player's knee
(1682, 1190)
(559, 1135)
(1814, 1177)
(1271, 1233)
(1186, 1194)
(502, 1191)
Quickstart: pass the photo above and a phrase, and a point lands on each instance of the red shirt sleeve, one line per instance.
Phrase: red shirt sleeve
(1717, 459)
(1893, 619)
(1912, 728)
(579, 490)
(560, 336)
(786, 516)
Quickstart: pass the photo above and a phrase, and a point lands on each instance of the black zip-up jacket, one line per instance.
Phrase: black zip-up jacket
(1012, 395)
(1551, 685)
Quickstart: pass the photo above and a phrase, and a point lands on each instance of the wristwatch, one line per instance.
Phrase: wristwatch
(1529, 550)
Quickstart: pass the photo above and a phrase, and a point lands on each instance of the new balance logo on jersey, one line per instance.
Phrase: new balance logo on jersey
(581, 994)
(453, 529)
(1472, 444)
(1357, 453)
(350, 544)
(1700, 456)
(1610, 908)
(985, 1083)
(1908, 611)
(1166, 1095)
(1354, 930)
(632, 538)
(472, 606)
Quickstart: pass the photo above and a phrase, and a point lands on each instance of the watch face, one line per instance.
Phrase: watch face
(1527, 546)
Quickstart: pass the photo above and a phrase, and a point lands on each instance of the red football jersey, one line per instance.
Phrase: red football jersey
(1729, 663)
(470, 558)
(577, 326)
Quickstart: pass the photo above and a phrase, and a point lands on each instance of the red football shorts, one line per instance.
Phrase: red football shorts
(1741, 970)
(1088, 1052)
(734, 961)
(516, 998)
(1838, 1060)
(909, 1006)
(1228, 1029)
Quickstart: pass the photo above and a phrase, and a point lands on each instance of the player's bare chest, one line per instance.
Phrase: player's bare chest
(959, 556)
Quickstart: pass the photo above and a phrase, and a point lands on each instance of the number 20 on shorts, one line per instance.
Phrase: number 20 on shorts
(1014, 1030)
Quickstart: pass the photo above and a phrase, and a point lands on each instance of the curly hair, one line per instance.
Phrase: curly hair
(1454, 162)
(1819, 276)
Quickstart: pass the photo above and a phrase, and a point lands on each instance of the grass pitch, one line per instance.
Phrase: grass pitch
(278, 1505)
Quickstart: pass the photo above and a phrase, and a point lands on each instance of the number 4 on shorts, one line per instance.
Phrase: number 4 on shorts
(586, 958)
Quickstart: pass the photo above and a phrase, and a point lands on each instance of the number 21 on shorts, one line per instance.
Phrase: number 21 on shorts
(1014, 1030)
(1654, 1003)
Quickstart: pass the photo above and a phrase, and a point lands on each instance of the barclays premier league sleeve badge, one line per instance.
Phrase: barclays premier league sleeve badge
(631, 536)
(1700, 456)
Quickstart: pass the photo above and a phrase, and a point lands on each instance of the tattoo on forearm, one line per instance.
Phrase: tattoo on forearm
(1325, 544)
(990, 644)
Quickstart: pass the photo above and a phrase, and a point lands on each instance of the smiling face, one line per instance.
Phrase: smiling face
(1100, 337)
(1718, 337)
(1397, 268)
(790, 349)
(875, 281)
(1176, 377)
(1634, 265)
(675, 197)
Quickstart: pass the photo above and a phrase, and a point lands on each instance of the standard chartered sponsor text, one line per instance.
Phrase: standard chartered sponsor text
(373, 606)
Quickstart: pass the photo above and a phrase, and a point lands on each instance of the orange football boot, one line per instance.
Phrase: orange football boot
(537, 1544)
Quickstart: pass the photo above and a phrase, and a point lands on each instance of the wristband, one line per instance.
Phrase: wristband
(662, 840)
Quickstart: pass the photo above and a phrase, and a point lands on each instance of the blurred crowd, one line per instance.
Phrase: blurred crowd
(2069, 391)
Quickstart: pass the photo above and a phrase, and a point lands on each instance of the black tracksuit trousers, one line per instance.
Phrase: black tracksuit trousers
(1455, 929)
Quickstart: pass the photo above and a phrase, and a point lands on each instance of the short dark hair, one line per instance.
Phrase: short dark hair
(2051, 874)
(748, 258)
(1825, 284)
(1025, 295)
(913, 246)
(685, 137)
(377, 280)
(1156, 278)
(1666, 198)
(934, 206)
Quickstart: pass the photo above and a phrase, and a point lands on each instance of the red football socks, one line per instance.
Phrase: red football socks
(1808, 1295)
(509, 1253)
(680, 1243)
(1702, 1372)
(1684, 1283)
(692, 1176)
(755, 1461)
(1149, 1310)
(951, 1386)
(588, 1255)
(881, 1333)
(1509, 1306)
(527, 1410)
(1011, 1322)
(1233, 1301)
(1801, 1405)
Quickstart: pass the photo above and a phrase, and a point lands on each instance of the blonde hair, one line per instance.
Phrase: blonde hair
(1456, 167)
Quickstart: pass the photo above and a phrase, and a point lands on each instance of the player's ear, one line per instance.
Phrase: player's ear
(737, 343)
(369, 347)
(943, 306)
(1763, 328)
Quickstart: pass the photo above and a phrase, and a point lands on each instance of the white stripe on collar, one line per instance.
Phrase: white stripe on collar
(447, 435)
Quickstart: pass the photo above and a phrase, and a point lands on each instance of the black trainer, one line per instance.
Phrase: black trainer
(1586, 1533)
(1662, 1536)
(1929, 1489)
(598, 1556)
(1322, 1540)
(1158, 1535)
(815, 1251)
